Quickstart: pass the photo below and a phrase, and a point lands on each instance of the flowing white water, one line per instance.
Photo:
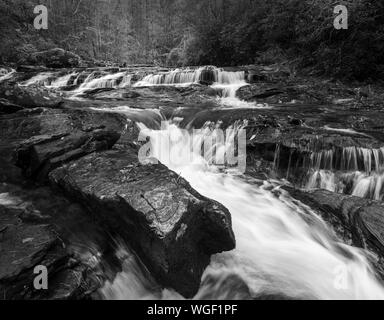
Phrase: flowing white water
(227, 82)
(39, 79)
(106, 81)
(62, 81)
(360, 168)
(177, 77)
(282, 248)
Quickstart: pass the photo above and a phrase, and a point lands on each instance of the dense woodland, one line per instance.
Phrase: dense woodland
(196, 32)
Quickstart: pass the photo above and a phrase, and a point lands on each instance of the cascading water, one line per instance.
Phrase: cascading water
(176, 77)
(40, 79)
(107, 81)
(283, 248)
(359, 171)
(227, 82)
(62, 81)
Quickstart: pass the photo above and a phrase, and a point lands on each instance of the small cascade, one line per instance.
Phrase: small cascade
(228, 83)
(349, 159)
(354, 170)
(81, 77)
(176, 77)
(43, 78)
(276, 160)
(226, 80)
(127, 81)
(62, 81)
(94, 81)
(322, 179)
(322, 159)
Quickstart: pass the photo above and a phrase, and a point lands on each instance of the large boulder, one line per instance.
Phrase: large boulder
(7, 107)
(53, 58)
(172, 228)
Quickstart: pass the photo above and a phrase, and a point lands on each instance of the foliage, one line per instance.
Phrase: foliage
(195, 32)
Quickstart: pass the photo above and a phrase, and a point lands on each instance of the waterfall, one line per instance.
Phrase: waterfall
(190, 76)
(282, 247)
(40, 79)
(62, 81)
(183, 77)
(226, 82)
(106, 81)
(126, 81)
(322, 179)
(358, 171)
(230, 82)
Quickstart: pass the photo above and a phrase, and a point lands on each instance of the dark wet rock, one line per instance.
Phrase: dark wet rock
(31, 97)
(172, 228)
(263, 73)
(40, 121)
(207, 76)
(53, 238)
(8, 107)
(53, 58)
(130, 95)
(31, 69)
(294, 121)
(89, 93)
(40, 155)
(27, 123)
(251, 93)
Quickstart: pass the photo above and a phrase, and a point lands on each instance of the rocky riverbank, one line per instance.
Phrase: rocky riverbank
(72, 187)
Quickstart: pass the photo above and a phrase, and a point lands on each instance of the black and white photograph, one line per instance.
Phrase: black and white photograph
(193, 154)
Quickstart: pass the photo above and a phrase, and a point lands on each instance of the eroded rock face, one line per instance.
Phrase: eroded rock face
(172, 228)
(39, 155)
(38, 228)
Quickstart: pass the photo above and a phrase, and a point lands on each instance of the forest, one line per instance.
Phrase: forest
(220, 32)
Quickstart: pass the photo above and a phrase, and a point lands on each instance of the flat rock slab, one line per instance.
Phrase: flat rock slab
(171, 227)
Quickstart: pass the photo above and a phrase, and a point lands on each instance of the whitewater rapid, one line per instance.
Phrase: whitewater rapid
(283, 248)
